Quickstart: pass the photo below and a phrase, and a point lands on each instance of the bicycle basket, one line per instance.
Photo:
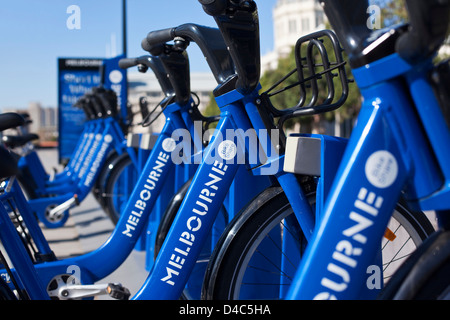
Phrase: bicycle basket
(319, 77)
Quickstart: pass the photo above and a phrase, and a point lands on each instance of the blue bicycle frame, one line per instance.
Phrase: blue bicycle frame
(221, 161)
(133, 219)
(392, 148)
(43, 180)
(106, 136)
(26, 275)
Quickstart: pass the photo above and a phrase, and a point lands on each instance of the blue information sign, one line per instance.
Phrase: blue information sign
(75, 78)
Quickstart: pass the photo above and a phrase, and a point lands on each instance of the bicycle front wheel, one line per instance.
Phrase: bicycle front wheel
(260, 252)
(424, 276)
(119, 185)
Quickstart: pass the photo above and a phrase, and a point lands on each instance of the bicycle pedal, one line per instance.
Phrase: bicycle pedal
(117, 291)
(59, 210)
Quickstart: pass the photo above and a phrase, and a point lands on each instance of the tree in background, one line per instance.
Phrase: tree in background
(392, 11)
(289, 98)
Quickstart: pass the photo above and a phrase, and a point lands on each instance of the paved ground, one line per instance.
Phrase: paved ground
(87, 229)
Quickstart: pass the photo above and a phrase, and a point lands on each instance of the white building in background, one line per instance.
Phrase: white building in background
(44, 119)
(291, 20)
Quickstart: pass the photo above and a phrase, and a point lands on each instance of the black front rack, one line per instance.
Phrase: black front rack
(316, 69)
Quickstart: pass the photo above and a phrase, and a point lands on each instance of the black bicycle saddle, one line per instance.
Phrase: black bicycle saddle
(18, 141)
(9, 120)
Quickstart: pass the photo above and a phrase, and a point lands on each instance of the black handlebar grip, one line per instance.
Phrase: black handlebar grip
(155, 50)
(145, 45)
(126, 63)
(214, 7)
(160, 36)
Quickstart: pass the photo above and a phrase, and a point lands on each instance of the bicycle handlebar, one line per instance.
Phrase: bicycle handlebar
(213, 7)
(84, 104)
(209, 40)
(232, 49)
(157, 67)
(96, 103)
(126, 63)
(158, 37)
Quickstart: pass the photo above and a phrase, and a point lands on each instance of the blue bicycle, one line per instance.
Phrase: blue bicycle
(242, 118)
(399, 144)
(155, 175)
(51, 195)
(260, 250)
(242, 107)
(54, 276)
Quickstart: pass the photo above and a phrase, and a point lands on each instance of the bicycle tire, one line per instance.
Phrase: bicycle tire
(99, 186)
(424, 276)
(115, 193)
(226, 271)
(169, 216)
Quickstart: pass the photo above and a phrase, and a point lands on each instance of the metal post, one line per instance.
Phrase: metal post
(124, 27)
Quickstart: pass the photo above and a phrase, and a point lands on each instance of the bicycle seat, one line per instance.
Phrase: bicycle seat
(8, 164)
(9, 120)
(18, 141)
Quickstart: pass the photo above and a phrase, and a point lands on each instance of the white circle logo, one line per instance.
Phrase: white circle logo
(381, 169)
(169, 144)
(108, 138)
(227, 150)
(115, 76)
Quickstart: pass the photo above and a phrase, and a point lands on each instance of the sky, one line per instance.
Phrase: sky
(34, 34)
